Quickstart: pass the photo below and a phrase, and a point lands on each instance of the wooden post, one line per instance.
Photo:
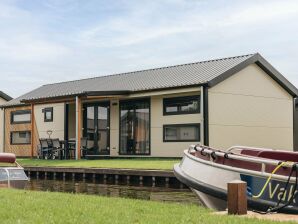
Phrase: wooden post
(237, 201)
(32, 130)
(78, 127)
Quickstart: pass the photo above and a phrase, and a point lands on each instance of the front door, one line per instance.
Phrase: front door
(97, 128)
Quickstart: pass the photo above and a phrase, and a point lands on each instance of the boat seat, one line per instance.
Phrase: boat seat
(250, 152)
(279, 155)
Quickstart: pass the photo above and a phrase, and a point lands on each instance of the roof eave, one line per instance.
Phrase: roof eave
(5, 96)
(83, 94)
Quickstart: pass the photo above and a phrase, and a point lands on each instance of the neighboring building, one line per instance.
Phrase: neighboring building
(159, 112)
(3, 99)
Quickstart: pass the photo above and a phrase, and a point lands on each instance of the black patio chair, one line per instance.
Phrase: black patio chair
(57, 149)
(84, 147)
(70, 150)
(45, 149)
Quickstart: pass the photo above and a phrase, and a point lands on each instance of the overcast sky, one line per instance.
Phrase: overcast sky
(57, 40)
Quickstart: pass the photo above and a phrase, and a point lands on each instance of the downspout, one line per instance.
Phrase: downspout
(206, 115)
(202, 134)
(77, 127)
(295, 124)
(3, 128)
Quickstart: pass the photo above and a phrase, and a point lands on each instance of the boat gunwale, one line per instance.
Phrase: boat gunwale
(243, 157)
(236, 169)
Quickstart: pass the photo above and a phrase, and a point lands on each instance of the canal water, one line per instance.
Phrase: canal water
(110, 190)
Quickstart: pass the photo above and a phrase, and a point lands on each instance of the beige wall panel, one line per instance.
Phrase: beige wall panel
(114, 142)
(223, 137)
(56, 126)
(114, 127)
(168, 149)
(247, 103)
(251, 80)
(2, 101)
(72, 121)
(230, 109)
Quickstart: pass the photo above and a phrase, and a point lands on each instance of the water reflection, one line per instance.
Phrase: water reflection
(123, 191)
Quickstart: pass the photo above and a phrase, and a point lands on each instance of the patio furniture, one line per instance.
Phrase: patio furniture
(84, 147)
(57, 149)
(71, 148)
(46, 150)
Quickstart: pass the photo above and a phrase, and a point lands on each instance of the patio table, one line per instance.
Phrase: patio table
(68, 146)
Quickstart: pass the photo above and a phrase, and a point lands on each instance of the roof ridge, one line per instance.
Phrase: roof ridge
(152, 69)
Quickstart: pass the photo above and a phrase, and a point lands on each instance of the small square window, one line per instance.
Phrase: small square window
(181, 133)
(48, 114)
(20, 138)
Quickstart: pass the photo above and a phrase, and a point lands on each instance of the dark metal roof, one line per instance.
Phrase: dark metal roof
(194, 74)
(5, 96)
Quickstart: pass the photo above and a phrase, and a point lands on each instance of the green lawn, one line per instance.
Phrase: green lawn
(135, 163)
(18, 206)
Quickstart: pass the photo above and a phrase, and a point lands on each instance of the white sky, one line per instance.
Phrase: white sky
(53, 40)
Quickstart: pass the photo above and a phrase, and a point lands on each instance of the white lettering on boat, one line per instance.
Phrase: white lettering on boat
(280, 192)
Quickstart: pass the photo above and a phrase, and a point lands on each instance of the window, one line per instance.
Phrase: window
(181, 133)
(48, 114)
(135, 127)
(20, 117)
(20, 137)
(181, 105)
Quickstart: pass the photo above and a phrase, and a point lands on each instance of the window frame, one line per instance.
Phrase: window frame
(48, 109)
(198, 125)
(19, 112)
(11, 133)
(181, 98)
(132, 101)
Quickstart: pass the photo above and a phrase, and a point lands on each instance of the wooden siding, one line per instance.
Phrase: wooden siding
(19, 150)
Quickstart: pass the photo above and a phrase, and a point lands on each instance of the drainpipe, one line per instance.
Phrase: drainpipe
(77, 127)
(3, 129)
(206, 115)
(202, 115)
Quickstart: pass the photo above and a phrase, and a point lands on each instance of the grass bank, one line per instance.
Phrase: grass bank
(134, 163)
(19, 206)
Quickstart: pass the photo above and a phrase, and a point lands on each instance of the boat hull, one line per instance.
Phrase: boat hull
(209, 182)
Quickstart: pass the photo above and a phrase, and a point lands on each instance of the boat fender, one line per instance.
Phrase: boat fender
(213, 155)
(202, 152)
(226, 155)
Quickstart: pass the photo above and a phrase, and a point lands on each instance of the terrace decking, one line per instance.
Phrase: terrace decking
(162, 178)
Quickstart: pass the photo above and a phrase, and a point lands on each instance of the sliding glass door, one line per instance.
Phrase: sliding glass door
(135, 127)
(96, 128)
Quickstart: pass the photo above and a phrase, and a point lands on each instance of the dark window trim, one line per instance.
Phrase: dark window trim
(19, 112)
(108, 129)
(19, 143)
(48, 109)
(182, 125)
(129, 101)
(181, 98)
